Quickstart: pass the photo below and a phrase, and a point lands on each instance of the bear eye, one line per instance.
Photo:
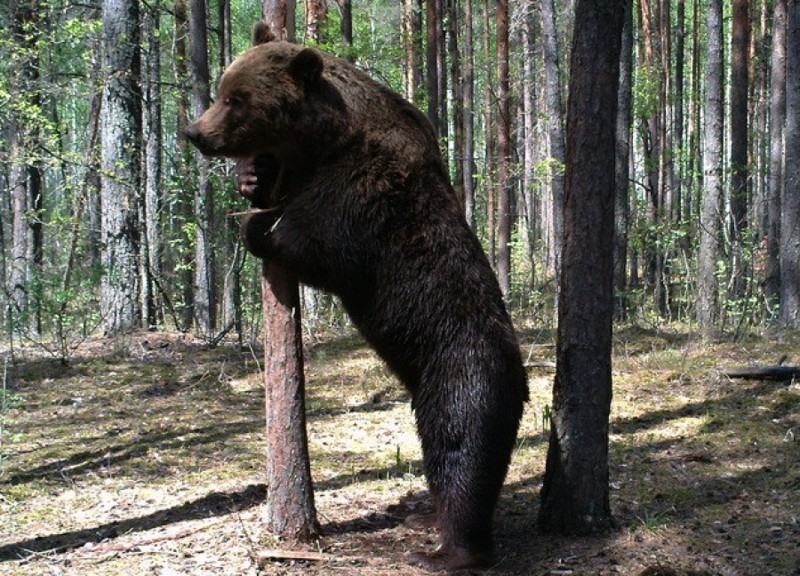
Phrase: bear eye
(234, 101)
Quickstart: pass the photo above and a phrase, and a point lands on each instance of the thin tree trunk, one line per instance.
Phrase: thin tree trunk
(555, 115)
(468, 94)
(456, 97)
(205, 297)
(777, 113)
(316, 14)
(575, 491)
(622, 167)
(289, 513)
(529, 140)
(740, 45)
(412, 39)
(431, 65)
(505, 215)
(120, 175)
(151, 125)
(346, 9)
(489, 138)
(185, 204)
(790, 206)
(708, 298)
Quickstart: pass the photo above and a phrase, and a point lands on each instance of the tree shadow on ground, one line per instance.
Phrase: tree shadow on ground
(93, 460)
(214, 504)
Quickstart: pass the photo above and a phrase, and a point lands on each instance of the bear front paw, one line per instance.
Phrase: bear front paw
(255, 229)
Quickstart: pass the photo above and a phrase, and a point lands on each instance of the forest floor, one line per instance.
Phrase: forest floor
(151, 462)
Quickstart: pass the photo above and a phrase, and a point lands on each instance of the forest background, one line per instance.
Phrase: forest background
(111, 222)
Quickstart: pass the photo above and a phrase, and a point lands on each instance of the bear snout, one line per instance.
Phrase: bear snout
(192, 134)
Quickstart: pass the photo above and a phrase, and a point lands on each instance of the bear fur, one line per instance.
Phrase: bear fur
(358, 202)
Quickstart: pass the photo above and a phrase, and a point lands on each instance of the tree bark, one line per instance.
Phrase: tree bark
(120, 180)
(790, 206)
(205, 291)
(777, 114)
(622, 168)
(575, 498)
(152, 205)
(412, 39)
(316, 14)
(555, 133)
(468, 95)
(740, 46)
(708, 299)
(504, 210)
(289, 511)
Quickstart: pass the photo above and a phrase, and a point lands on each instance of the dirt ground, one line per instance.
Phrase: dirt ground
(144, 456)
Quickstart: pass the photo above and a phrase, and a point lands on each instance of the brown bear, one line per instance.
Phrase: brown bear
(358, 203)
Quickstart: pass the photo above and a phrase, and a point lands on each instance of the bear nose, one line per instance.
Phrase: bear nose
(192, 134)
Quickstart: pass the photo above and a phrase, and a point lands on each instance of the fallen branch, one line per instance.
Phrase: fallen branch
(778, 373)
(283, 554)
(256, 211)
(540, 364)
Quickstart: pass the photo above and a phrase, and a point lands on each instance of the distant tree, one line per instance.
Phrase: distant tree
(555, 132)
(622, 166)
(316, 14)
(739, 126)
(152, 246)
(468, 96)
(504, 159)
(575, 498)
(205, 290)
(25, 174)
(120, 175)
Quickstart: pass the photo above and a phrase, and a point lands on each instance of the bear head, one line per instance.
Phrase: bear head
(261, 101)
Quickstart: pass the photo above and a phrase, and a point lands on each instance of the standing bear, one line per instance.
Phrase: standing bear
(358, 202)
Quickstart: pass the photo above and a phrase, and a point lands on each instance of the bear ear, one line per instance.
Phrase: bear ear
(306, 66)
(262, 33)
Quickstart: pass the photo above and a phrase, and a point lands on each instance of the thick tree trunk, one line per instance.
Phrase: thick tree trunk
(708, 298)
(412, 40)
(777, 114)
(575, 497)
(120, 134)
(790, 207)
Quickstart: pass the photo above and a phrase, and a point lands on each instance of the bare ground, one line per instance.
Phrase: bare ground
(150, 463)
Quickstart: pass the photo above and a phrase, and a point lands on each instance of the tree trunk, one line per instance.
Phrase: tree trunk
(489, 139)
(431, 64)
(456, 97)
(120, 134)
(346, 9)
(575, 498)
(152, 205)
(777, 114)
(790, 206)
(205, 296)
(555, 115)
(289, 513)
(504, 215)
(185, 204)
(412, 39)
(740, 45)
(468, 95)
(316, 14)
(25, 174)
(529, 111)
(622, 168)
(708, 300)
